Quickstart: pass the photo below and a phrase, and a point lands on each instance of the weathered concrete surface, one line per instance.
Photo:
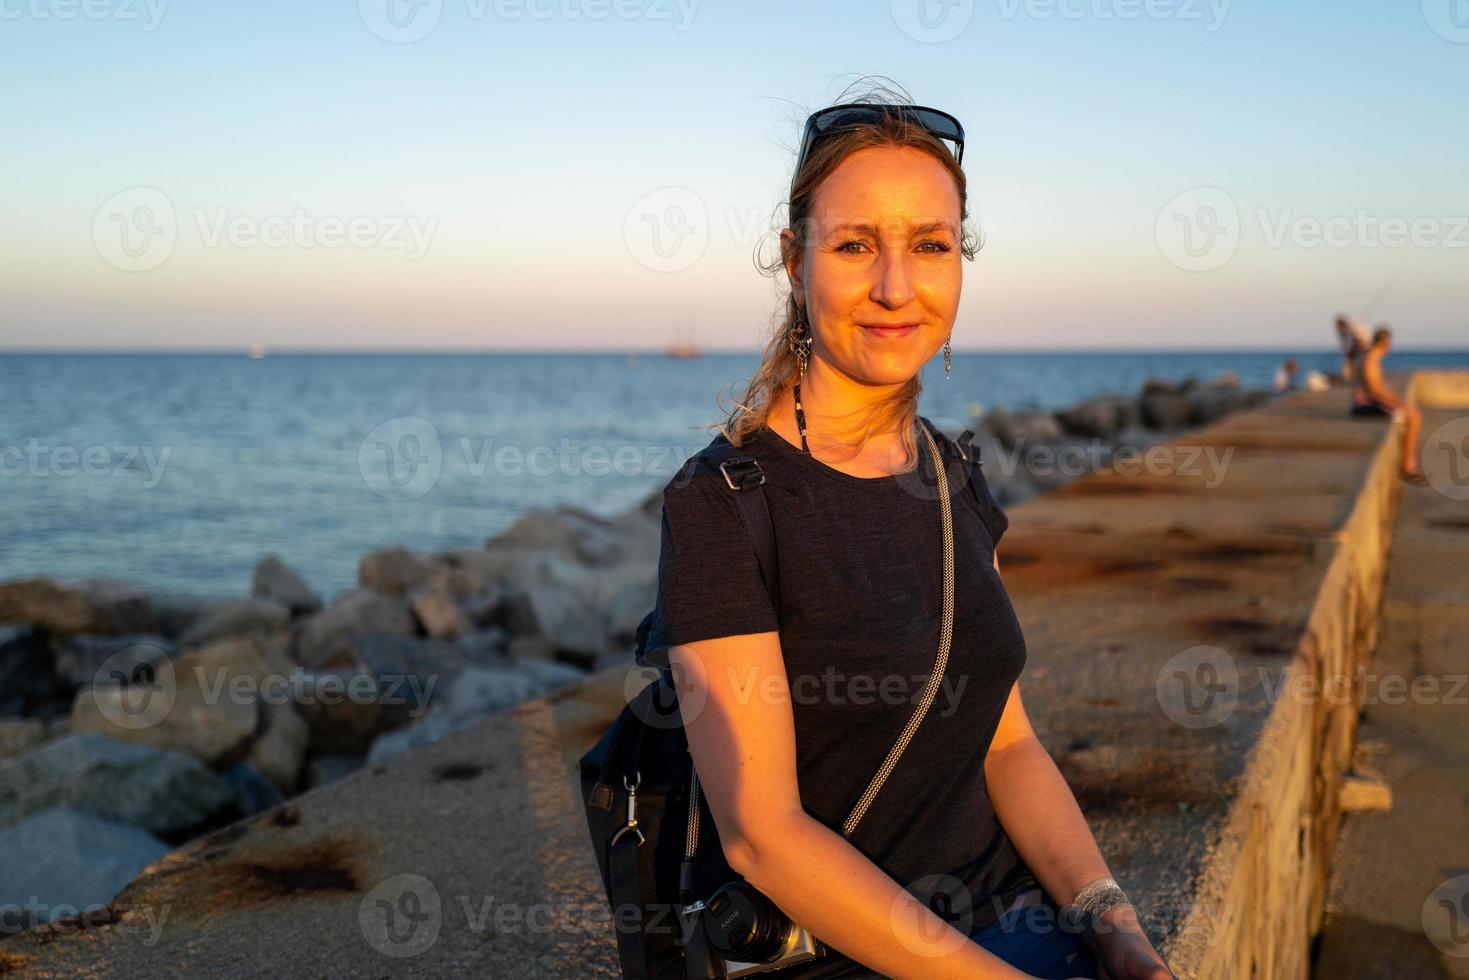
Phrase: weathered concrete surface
(1220, 831)
(1415, 736)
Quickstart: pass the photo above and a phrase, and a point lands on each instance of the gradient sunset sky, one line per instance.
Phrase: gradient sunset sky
(586, 174)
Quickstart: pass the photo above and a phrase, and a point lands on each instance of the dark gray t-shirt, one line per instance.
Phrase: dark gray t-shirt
(861, 577)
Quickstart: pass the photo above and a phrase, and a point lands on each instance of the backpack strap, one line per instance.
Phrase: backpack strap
(632, 883)
(741, 474)
(970, 454)
(966, 449)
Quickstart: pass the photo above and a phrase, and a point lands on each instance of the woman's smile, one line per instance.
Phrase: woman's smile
(893, 332)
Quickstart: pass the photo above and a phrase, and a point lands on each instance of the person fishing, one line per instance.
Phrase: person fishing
(1371, 396)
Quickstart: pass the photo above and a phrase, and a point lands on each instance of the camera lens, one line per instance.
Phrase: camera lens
(743, 925)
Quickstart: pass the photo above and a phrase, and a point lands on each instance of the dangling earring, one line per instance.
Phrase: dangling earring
(947, 353)
(798, 338)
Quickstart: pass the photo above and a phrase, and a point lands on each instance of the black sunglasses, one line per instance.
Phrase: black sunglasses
(842, 117)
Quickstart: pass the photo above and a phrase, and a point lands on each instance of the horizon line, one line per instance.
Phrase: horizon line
(659, 352)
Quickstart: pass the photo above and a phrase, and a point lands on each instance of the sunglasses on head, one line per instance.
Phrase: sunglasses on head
(837, 118)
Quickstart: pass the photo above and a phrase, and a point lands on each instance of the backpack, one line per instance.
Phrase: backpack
(654, 836)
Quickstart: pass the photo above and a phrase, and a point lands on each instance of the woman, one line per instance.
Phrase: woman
(790, 712)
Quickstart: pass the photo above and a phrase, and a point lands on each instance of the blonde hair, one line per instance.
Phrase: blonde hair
(778, 368)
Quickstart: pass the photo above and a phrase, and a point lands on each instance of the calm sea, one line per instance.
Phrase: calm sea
(180, 471)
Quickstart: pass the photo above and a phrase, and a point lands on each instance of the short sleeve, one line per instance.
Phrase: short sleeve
(709, 580)
(996, 519)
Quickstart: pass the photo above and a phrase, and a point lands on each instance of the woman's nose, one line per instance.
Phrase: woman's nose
(894, 285)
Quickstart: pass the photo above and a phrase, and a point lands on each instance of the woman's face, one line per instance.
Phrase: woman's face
(882, 248)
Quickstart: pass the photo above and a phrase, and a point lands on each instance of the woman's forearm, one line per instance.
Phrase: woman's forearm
(1041, 817)
(832, 889)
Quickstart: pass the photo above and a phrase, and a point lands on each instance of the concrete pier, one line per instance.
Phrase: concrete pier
(1178, 615)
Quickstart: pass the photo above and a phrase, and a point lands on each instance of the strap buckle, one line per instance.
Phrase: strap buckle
(965, 448)
(749, 477)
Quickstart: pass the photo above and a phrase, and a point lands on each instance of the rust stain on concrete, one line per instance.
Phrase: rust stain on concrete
(455, 772)
(323, 866)
(1151, 780)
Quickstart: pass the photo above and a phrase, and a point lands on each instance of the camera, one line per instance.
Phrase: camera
(741, 932)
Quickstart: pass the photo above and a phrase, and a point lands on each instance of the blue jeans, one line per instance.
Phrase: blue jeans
(1033, 940)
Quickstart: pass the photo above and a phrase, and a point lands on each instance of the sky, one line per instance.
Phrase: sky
(603, 174)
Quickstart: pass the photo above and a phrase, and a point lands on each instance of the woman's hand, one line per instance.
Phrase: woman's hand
(1122, 948)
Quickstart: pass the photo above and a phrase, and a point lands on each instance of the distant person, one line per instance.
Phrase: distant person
(1316, 381)
(1372, 396)
(1354, 338)
(1285, 377)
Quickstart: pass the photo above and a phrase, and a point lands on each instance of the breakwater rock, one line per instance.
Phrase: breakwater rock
(132, 721)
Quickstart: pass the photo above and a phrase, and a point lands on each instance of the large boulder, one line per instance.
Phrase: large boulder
(1024, 428)
(1164, 386)
(175, 612)
(240, 617)
(253, 791)
(28, 681)
(62, 862)
(250, 668)
(346, 709)
(1217, 399)
(413, 669)
(189, 706)
(476, 694)
(582, 613)
(20, 735)
(439, 616)
(486, 568)
(161, 791)
(396, 571)
(1100, 417)
(86, 658)
(275, 581)
(1163, 412)
(280, 750)
(456, 582)
(95, 605)
(323, 639)
(542, 530)
(579, 535)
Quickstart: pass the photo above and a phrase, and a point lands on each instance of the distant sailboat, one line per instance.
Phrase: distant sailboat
(257, 350)
(684, 349)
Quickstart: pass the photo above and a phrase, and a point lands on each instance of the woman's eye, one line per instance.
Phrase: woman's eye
(938, 246)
